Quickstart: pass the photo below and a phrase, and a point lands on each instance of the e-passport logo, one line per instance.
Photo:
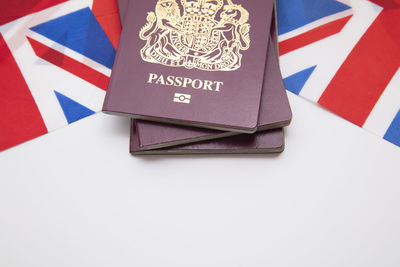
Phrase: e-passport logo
(209, 35)
(182, 98)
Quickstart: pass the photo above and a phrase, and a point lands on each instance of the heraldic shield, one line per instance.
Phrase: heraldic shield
(208, 35)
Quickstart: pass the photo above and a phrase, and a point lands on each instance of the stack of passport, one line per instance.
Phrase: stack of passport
(199, 77)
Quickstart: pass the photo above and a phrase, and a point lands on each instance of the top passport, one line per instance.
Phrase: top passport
(198, 63)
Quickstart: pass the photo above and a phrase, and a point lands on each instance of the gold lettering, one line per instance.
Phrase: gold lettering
(207, 85)
(218, 86)
(170, 80)
(178, 81)
(197, 81)
(152, 77)
(186, 81)
(160, 80)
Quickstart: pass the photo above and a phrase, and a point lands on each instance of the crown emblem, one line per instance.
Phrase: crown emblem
(208, 34)
(202, 8)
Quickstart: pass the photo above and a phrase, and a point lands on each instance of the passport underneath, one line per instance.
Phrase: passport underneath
(271, 141)
(195, 63)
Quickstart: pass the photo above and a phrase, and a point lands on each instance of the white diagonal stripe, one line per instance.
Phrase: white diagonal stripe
(386, 108)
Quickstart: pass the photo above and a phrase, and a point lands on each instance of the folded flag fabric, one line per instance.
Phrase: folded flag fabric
(345, 55)
(55, 59)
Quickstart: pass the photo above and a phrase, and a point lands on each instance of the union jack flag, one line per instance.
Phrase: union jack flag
(345, 55)
(56, 58)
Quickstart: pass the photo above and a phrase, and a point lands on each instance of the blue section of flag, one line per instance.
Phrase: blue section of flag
(80, 31)
(73, 111)
(293, 14)
(393, 133)
(296, 82)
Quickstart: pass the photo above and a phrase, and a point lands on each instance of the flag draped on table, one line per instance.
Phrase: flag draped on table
(56, 58)
(345, 55)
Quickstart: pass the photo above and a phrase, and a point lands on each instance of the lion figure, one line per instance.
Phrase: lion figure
(158, 26)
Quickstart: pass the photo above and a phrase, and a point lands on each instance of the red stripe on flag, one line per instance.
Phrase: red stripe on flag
(387, 3)
(313, 36)
(367, 71)
(107, 14)
(15, 9)
(20, 119)
(69, 64)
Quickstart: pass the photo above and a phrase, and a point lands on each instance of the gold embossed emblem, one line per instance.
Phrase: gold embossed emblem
(208, 35)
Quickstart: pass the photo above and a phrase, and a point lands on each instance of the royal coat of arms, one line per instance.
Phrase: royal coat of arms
(208, 35)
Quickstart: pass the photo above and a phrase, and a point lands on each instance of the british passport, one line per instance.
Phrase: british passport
(192, 62)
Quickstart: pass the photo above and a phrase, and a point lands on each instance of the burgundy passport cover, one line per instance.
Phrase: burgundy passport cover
(271, 141)
(195, 62)
(274, 110)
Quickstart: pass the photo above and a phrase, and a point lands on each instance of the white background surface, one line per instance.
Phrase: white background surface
(76, 197)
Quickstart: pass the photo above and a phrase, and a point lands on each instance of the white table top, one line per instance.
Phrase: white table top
(76, 197)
